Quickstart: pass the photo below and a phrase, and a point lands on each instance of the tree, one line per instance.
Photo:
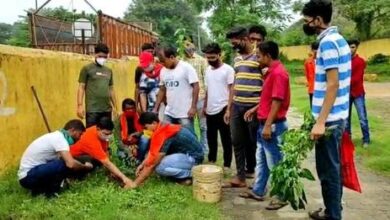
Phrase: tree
(5, 32)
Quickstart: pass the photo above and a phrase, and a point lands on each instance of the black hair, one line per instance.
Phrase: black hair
(76, 124)
(101, 48)
(147, 46)
(168, 51)
(354, 41)
(127, 102)
(271, 48)
(105, 123)
(322, 8)
(315, 45)
(213, 48)
(148, 118)
(237, 32)
(258, 29)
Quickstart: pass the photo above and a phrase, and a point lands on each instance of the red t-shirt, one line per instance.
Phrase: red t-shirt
(90, 144)
(276, 86)
(357, 76)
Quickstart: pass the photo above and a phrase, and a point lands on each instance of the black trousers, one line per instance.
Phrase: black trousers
(92, 118)
(215, 123)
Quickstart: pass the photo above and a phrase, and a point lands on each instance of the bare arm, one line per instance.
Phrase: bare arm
(267, 130)
(226, 117)
(71, 163)
(195, 93)
(114, 170)
(160, 96)
(80, 100)
(146, 170)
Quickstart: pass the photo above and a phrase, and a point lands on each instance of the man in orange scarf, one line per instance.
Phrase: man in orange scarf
(310, 68)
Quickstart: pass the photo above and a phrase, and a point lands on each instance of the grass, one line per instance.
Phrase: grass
(377, 156)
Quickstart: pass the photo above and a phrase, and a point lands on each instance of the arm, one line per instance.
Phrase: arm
(80, 100)
(226, 117)
(248, 116)
(275, 106)
(205, 103)
(114, 170)
(160, 97)
(72, 163)
(147, 170)
(195, 94)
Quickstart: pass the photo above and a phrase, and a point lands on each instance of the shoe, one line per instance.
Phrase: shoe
(318, 214)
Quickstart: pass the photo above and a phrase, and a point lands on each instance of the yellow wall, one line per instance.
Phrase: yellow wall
(366, 49)
(54, 75)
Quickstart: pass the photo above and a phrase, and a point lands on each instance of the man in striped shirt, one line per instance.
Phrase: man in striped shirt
(246, 95)
(330, 102)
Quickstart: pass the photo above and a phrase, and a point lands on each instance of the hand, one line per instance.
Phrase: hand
(88, 165)
(248, 116)
(266, 133)
(226, 117)
(204, 112)
(80, 111)
(191, 113)
(317, 131)
(130, 185)
(139, 169)
(155, 109)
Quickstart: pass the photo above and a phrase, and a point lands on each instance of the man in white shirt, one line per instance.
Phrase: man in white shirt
(219, 79)
(180, 85)
(46, 162)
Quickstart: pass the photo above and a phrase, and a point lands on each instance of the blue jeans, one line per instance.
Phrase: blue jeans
(202, 126)
(46, 178)
(143, 148)
(185, 122)
(329, 169)
(268, 154)
(360, 104)
(177, 165)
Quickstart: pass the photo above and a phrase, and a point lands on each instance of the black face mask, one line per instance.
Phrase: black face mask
(239, 47)
(214, 63)
(309, 30)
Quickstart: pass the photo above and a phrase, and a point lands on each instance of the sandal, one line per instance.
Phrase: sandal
(276, 204)
(318, 214)
(251, 195)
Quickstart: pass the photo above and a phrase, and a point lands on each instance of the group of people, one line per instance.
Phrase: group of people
(247, 104)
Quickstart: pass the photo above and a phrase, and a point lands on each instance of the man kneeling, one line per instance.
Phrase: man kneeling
(174, 150)
(46, 162)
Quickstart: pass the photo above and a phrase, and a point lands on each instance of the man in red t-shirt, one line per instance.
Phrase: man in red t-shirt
(357, 92)
(310, 70)
(272, 111)
(93, 145)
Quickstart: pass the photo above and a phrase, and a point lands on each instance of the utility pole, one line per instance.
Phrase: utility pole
(36, 5)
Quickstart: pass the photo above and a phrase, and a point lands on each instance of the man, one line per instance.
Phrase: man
(93, 147)
(357, 93)
(174, 150)
(330, 102)
(47, 162)
(272, 111)
(200, 65)
(96, 82)
(310, 67)
(219, 80)
(257, 34)
(180, 85)
(246, 89)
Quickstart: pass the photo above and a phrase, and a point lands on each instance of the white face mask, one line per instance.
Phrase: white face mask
(101, 61)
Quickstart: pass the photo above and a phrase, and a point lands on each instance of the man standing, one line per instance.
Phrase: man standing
(96, 82)
(330, 103)
(310, 68)
(257, 34)
(200, 65)
(357, 93)
(179, 84)
(219, 80)
(247, 88)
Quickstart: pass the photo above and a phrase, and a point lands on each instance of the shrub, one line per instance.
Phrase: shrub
(379, 58)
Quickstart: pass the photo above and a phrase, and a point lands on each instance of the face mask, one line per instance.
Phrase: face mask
(67, 136)
(104, 137)
(309, 30)
(101, 61)
(147, 133)
(129, 113)
(213, 63)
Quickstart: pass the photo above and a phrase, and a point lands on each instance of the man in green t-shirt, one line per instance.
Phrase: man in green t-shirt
(96, 82)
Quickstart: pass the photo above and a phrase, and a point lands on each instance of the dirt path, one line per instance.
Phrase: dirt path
(377, 90)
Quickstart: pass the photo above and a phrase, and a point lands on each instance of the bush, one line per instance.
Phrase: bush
(379, 58)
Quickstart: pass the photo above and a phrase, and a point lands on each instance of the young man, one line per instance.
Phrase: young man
(131, 133)
(96, 82)
(246, 89)
(219, 80)
(257, 34)
(179, 84)
(310, 68)
(200, 65)
(142, 101)
(174, 150)
(330, 102)
(272, 111)
(47, 162)
(357, 96)
(93, 147)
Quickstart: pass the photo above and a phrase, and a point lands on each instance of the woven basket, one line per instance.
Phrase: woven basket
(207, 183)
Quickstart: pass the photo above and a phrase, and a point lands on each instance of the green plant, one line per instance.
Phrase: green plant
(379, 58)
(180, 36)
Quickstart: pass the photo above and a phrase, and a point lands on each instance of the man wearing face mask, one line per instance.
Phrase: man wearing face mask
(93, 147)
(246, 95)
(330, 103)
(96, 83)
(47, 162)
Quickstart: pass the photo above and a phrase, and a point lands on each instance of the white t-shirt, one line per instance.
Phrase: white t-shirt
(179, 90)
(217, 81)
(42, 150)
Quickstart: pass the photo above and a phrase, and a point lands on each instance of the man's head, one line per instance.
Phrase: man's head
(317, 16)
(239, 39)
(190, 49)
(129, 108)
(314, 47)
(267, 52)
(104, 128)
(167, 56)
(149, 120)
(101, 54)
(75, 128)
(353, 44)
(212, 53)
(257, 34)
(146, 61)
(147, 47)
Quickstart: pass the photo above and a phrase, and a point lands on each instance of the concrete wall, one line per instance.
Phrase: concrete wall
(54, 75)
(367, 49)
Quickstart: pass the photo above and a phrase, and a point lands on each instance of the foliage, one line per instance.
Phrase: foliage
(20, 34)
(180, 36)
(378, 59)
(5, 32)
